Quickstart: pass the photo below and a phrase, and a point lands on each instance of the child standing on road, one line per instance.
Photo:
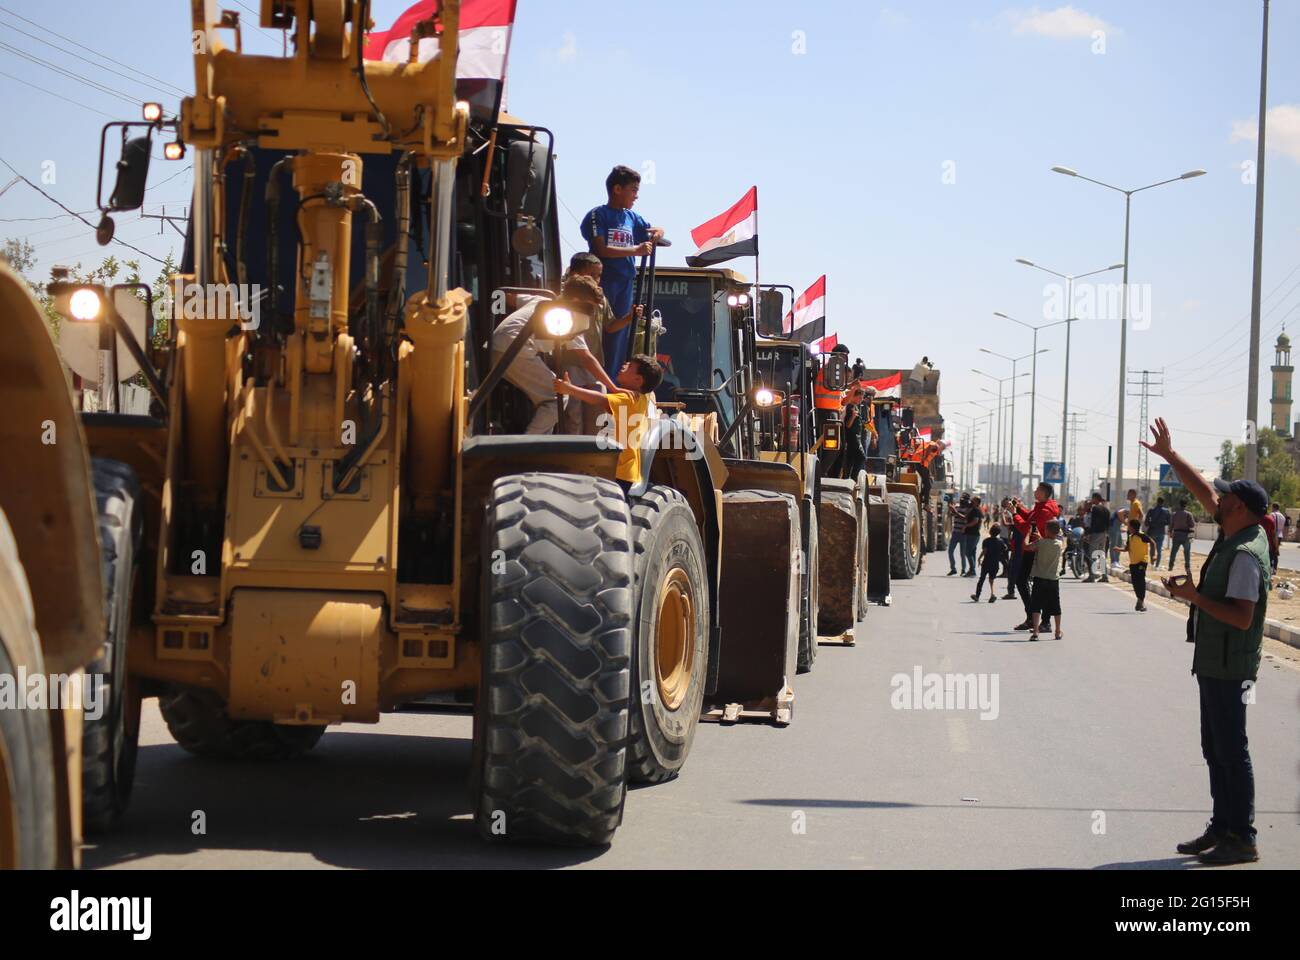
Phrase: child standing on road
(993, 554)
(1139, 555)
(1045, 600)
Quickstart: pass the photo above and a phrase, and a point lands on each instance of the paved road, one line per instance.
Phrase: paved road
(1289, 556)
(1102, 723)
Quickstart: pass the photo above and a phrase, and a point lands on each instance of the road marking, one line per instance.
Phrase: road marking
(958, 740)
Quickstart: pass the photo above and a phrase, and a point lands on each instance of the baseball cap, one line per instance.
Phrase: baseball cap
(1248, 492)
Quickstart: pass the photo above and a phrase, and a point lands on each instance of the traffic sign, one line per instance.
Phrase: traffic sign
(1053, 471)
(1167, 476)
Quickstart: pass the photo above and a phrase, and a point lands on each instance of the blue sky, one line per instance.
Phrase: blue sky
(903, 150)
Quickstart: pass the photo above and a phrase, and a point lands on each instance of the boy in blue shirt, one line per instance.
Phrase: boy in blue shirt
(617, 235)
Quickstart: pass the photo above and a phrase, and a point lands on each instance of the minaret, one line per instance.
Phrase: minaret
(1282, 371)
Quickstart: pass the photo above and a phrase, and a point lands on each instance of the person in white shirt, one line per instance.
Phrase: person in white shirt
(529, 371)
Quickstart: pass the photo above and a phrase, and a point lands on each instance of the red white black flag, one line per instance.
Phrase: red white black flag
(890, 386)
(728, 235)
(484, 43)
(810, 306)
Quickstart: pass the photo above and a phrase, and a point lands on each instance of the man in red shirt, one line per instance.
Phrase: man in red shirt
(1045, 508)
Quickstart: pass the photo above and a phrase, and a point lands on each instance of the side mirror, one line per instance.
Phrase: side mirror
(909, 417)
(835, 371)
(526, 240)
(132, 173)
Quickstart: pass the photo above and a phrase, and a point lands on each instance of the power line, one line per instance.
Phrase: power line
(94, 84)
(74, 213)
(183, 93)
(60, 96)
(258, 28)
(81, 59)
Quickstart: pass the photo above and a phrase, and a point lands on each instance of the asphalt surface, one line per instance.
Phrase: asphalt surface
(1289, 555)
(1093, 761)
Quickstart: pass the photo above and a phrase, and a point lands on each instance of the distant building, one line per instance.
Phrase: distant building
(1282, 375)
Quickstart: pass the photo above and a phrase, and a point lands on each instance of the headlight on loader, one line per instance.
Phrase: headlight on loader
(764, 397)
(558, 322)
(85, 304)
(832, 431)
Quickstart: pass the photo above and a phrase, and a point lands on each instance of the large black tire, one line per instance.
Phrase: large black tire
(109, 740)
(551, 728)
(671, 585)
(199, 722)
(864, 545)
(809, 597)
(904, 537)
(835, 616)
(930, 535)
(28, 791)
(1077, 564)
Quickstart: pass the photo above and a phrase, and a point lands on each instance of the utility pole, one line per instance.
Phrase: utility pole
(1077, 422)
(1252, 385)
(1151, 381)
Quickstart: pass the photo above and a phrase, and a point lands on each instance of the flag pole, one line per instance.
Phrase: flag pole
(758, 291)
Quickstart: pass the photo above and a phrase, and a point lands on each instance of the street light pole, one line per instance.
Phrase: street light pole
(1123, 321)
(1068, 320)
(1014, 361)
(1001, 472)
(1252, 384)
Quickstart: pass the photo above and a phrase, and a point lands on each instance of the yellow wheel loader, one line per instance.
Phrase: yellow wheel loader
(61, 613)
(753, 389)
(324, 513)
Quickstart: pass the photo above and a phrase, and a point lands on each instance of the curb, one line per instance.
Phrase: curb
(1273, 629)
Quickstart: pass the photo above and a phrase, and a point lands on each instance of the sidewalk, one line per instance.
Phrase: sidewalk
(1283, 625)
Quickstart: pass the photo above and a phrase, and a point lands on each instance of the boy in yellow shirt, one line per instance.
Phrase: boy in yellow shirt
(1139, 554)
(627, 411)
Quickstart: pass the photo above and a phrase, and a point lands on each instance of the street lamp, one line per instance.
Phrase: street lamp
(1123, 322)
(1069, 319)
(1033, 389)
(999, 381)
(971, 428)
(1013, 361)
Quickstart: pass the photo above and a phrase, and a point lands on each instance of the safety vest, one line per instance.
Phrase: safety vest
(825, 398)
(1224, 652)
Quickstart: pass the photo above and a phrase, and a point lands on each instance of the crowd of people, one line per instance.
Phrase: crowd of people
(1023, 545)
(1028, 544)
(1014, 548)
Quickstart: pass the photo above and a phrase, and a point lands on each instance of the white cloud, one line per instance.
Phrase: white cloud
(1063, 23)
(1282, 135)
(569, 51)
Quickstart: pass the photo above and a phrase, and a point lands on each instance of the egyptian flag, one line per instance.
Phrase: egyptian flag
(484, 45)
(728, 235)
(826, 344)
(890, 386)
(810, 306)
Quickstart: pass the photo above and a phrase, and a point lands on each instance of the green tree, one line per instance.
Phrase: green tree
(1275, 467)
(1227, 460)
(21, 255)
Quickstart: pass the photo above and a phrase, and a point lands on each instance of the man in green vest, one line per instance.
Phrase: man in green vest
(1226, 623)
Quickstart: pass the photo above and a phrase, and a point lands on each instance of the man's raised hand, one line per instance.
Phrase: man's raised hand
(1162, 444)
